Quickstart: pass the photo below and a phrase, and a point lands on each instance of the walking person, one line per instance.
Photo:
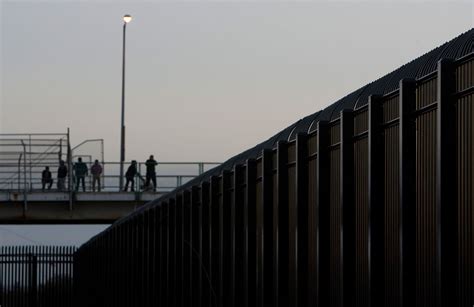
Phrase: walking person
(46, 178)
(151, 172)
(81, 172)
(62, 174)
(96, 171)
(130, 176)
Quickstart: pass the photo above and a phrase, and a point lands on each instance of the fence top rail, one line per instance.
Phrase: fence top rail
(465, 58)
(33, 134)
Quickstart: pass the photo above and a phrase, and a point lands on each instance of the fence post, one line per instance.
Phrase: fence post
(70, 169)
(407, 148)
(300, 230)
(446, 186)
(321, 282)
(265, 232)
(376, 201)
(347, 205)
(31, 173)
(33, 276)
(280, 228)
(19, 172)
(25, 201)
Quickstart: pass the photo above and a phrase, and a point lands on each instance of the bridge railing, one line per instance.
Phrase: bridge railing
(22, 155)
(169, 175)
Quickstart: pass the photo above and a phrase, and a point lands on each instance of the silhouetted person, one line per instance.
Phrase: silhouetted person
(151, 172)
(46, 178)
(62, 174)
(96, 171)
(81, 171)
(130, 176)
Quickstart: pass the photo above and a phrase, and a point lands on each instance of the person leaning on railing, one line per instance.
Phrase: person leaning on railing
(96, 171)
(80, 171)
(130, 176)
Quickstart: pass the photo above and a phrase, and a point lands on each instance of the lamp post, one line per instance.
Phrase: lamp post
(126, 19)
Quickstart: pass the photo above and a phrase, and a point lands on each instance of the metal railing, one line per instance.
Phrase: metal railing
(23, 157)
(22, 154)
(169, 175)
(36, 276)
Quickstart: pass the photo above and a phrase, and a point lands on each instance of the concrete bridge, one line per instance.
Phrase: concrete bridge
(24, 198)
(70, 208)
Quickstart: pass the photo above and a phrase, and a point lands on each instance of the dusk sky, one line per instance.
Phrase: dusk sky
(205, 79)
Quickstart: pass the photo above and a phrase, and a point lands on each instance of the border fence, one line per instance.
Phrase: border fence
(36, 276)
(366, 203)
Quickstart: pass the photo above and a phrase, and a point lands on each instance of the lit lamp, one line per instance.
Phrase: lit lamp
(126, 19)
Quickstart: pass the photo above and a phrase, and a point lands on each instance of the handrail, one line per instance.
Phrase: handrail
(38, 150)
(169, 175)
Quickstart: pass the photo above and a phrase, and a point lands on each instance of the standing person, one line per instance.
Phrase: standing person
(62, 173)
(96, 171)
(150, 172)
(130, 176)
(46, 178)
(81, 172)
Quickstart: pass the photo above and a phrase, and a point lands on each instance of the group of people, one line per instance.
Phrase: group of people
(132, 172)
(81, 172)
(47, 177)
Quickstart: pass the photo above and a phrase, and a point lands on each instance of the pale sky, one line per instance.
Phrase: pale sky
(205, 79)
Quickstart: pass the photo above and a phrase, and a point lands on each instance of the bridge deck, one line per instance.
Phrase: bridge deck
(57, 208)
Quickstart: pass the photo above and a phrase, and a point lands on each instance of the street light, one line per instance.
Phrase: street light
(126, 19)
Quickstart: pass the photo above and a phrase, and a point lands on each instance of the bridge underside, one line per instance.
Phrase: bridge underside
(57, 208)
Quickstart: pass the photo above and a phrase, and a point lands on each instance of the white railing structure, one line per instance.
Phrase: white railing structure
(23, 157)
